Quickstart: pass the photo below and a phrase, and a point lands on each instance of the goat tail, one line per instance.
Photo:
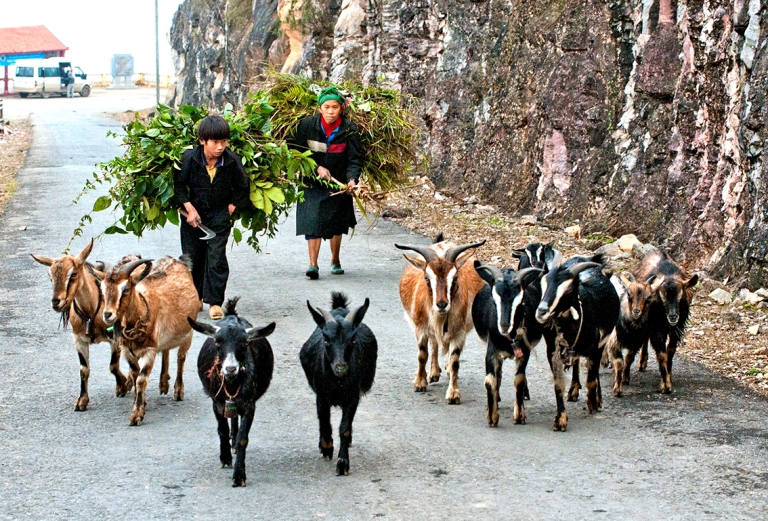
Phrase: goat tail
(186, 259)
(339, 300)
(229, 307)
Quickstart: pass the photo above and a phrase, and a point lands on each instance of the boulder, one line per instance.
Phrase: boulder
(574, 231)
(609, 250)
(627, 242)
(720, 296)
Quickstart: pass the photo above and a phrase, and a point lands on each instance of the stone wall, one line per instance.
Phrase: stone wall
(641, 116)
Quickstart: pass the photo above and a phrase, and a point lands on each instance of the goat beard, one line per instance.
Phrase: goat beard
(64, 319)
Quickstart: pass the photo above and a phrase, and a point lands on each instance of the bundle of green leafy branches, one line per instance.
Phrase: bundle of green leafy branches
(141, 181)
(388, 135)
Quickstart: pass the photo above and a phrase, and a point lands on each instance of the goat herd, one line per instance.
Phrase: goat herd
(142, 308)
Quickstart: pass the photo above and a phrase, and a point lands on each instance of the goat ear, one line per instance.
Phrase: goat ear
(84, 254)
(582, 266)
(517, 253)
(263, 332)
(356, 316)
(45, 261)
(464, 257)
(419, 263)
(557, 260)
(318, 315)
(484, 273)
(692, 281)
(200, 327)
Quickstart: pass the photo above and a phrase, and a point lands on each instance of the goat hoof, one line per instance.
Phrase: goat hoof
(454, 401)
(419, 388)
(560, 424)
(238, 482)
(225, 464)
(342, 467)
(81, 404)
(617, 393)
(120, 391)
(434, 378)
(178, 395)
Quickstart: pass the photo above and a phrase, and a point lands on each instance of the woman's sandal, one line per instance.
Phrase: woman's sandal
(313, 272)
(336, 269)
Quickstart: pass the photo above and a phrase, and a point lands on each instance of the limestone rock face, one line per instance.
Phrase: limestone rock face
(630, 116)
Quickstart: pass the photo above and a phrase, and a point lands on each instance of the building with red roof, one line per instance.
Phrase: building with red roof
(24, 43)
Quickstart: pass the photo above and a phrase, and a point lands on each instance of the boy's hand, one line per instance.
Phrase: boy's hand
(231, 209)
(351, 187)
(323, 173)
(193, 218)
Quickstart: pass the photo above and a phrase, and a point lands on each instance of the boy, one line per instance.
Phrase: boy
(210, 186)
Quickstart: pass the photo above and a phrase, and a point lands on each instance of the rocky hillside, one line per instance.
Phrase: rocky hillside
(641, 116)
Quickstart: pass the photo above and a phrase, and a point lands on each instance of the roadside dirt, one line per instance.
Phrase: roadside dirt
(716, 337)
(14, 143)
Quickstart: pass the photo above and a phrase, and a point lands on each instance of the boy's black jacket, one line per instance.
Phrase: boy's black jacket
(193, 184)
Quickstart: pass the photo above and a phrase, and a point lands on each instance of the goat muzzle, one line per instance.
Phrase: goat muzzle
(58, 305)
(340, 369)
(109, 318)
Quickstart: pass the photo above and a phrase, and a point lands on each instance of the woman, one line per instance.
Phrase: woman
(335, 145)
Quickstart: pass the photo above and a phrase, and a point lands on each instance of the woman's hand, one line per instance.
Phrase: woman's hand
(324, 173)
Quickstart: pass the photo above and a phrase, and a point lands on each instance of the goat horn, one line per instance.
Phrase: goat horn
(630, 277)
(326, 315)
(452, 254)
(496, 272)
(521, 275)
(578, 268)
(557, 260)
(425, 251)
(128, 268)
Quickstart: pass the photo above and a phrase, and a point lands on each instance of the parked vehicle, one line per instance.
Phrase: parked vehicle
(47, 77)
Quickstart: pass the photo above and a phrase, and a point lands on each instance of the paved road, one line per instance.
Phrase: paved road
(699, 453)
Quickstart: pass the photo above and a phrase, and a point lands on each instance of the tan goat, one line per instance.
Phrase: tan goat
(149, 309)
(77, 296)
(437, 293)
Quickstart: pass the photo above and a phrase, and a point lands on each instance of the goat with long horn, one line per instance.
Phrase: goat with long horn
(437, 290)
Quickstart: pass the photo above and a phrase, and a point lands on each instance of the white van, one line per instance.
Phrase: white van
(46, 77)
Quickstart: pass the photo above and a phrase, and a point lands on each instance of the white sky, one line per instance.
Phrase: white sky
(94, 30)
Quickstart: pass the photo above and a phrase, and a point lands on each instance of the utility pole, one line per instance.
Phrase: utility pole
(157, 58)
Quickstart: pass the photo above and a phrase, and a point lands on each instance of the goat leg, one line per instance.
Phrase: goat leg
(165, 378)
(233, 435)
(420, 382)
(629, 359)
(238, 478)
(326, 431)
(345, 437)
(121, 382)
(83, 353)
(659, 345)
(521, 388)
(225, 453)
(492, 369)
(453, 395)
(558, 375)
(594, 394)
(434, 367)
(181, 359)
(642, 362)
(146, 362)
(573, 392)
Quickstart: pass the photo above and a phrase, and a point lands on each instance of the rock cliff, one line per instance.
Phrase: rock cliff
(630, 116)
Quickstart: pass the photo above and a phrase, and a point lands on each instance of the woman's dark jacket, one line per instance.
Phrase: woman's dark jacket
(211, 199)
(321, 214)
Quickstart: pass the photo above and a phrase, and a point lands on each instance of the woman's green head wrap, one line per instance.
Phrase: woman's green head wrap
(331, 93)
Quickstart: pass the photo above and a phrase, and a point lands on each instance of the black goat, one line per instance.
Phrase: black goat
(235, 366)
(537, 255)
(339, 359)
(580, 302)
(670, 307)
(504, 316)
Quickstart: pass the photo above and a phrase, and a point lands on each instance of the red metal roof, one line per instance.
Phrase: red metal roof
(22, 40)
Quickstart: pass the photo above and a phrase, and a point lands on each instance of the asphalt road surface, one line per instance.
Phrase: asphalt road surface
(699, 453)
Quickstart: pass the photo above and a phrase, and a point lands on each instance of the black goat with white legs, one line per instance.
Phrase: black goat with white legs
(235, 366)
(581, 304)
(504, 316)
(339, 359)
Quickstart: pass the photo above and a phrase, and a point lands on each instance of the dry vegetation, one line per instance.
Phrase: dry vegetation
(717, 336)
(14, 143)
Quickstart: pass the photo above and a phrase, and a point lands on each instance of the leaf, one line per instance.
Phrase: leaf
(114, 229)
(237, 235)
(275, 194)
(102, 203)
(172, 216)
(153, 132)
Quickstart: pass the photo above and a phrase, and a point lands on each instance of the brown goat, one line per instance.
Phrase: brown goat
(77, 296)
(149, 309)
(437, 293)
(632, 331)
(669, 310)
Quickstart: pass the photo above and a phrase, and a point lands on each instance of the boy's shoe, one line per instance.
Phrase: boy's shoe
(336, 269)
(313, 272)
(216, 313)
